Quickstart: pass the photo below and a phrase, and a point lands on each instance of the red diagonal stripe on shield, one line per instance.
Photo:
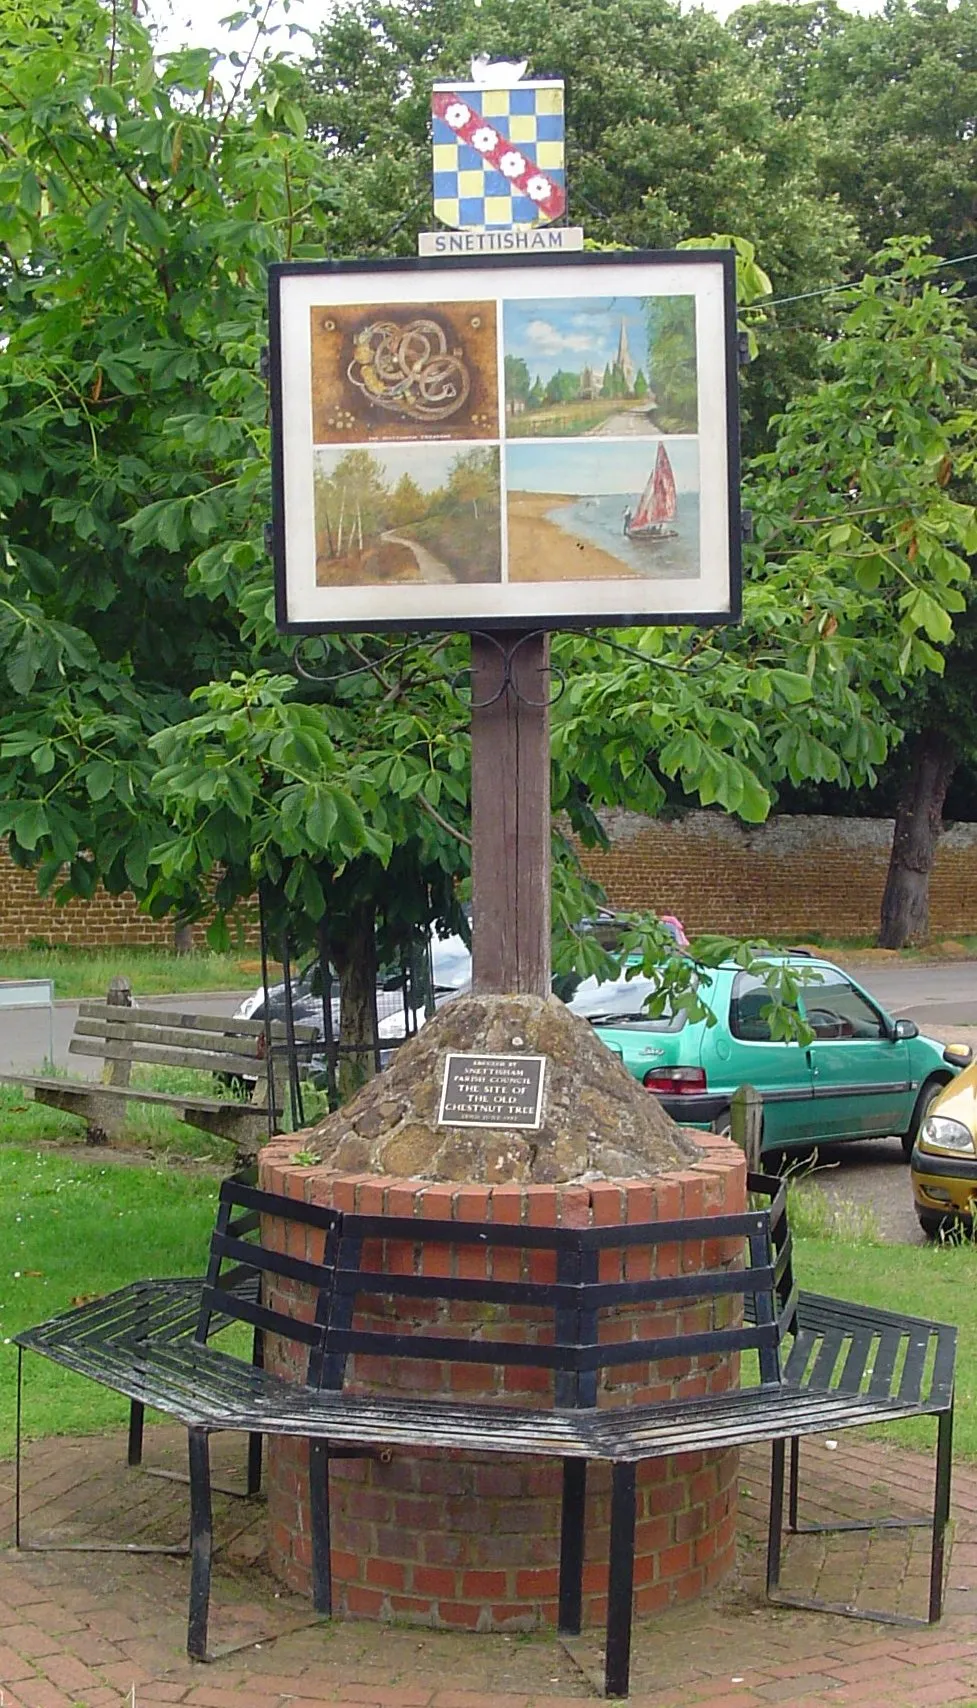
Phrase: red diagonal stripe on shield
(506, 158)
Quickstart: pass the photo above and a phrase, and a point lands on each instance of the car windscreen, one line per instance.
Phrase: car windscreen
(620, 1002)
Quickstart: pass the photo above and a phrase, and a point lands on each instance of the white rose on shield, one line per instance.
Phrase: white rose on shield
(512, 165)
(457, 114)
(484, 140)
(538, 189)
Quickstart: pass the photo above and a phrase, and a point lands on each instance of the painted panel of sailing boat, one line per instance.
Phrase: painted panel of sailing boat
(600, 367)
(584, 512)
(421, 514)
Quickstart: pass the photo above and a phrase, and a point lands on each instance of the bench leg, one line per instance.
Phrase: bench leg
(572, 1546)
(620, 1587)
(254, 1464)
(776, 1521)
(137, 1414)
(254, 1441)
(201, 1543)
(941, 1512)
(936, 1523)
(319, 1510)
(18, 1442)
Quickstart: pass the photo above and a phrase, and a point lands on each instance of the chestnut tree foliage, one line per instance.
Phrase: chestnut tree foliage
(154, 729)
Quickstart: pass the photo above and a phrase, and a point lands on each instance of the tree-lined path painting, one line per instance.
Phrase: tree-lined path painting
(427, 513)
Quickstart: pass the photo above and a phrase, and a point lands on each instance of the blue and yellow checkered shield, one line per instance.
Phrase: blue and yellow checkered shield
(498, 154)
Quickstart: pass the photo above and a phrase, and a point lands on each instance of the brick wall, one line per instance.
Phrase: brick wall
(460, 1541)
(793, 875)
(105, 920)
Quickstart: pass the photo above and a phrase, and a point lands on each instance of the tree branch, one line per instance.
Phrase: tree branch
(432, 812)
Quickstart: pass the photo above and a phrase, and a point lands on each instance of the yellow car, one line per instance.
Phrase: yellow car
(943, 1166)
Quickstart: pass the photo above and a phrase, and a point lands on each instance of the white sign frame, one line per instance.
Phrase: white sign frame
(516, 296)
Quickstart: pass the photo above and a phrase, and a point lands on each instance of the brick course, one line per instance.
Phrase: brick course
(106, 920)
(455, 1541)
(790, 875)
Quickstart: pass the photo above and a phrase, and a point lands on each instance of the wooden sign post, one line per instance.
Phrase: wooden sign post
(511, 813)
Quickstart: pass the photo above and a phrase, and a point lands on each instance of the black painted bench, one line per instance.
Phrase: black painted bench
(233, 1050)
(822, 1365)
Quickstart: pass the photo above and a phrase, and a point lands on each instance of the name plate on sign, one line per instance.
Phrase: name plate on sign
(492, 1091)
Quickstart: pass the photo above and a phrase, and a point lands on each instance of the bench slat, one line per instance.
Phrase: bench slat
(139, 1031)
(198, 1022)
(80, 1089)
(826, 1361)
(161, 1055)
(911, 1380)
(856, 1362)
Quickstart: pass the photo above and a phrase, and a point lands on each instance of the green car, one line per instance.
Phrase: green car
(864, 1075)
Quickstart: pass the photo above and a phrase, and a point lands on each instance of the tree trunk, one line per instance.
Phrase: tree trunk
(182, 935)
(919, 814)
(355, 955)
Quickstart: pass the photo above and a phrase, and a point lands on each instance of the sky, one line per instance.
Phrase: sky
(577, 333)
(198, 21)
(428, 465)
(589, 465)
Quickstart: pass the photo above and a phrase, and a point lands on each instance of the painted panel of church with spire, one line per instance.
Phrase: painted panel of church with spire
(614, 367)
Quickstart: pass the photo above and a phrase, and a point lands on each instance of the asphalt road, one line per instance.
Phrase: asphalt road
(934, 993)
(24, 1031)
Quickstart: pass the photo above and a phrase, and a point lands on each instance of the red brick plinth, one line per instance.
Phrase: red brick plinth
(446, 1540)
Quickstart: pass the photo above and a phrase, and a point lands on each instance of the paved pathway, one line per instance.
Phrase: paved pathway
(431, 567)
(107, 1630)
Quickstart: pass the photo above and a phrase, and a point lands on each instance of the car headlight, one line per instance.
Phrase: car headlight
(249, 1005)
(938, 1132)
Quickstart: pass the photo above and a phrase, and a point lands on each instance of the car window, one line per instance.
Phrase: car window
(835, 1009)
(748, 1002)
(620, 1002)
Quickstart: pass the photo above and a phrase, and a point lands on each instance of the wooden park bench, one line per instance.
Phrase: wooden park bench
(235, 1051)
(822, 1364)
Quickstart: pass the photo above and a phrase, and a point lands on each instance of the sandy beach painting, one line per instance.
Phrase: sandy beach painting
(395, 372)
(593, 510)
(600, 367)
(423, 514)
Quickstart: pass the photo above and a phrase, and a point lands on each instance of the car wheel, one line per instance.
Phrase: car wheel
(924, 1103)
(935, 1225)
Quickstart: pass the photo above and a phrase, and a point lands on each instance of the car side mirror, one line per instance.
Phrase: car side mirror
(958, 1055)
(904, 1029)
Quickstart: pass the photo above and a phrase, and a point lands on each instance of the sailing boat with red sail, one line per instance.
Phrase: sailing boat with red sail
(656, 506)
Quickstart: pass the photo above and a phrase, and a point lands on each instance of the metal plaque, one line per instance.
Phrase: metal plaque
(492, 1091)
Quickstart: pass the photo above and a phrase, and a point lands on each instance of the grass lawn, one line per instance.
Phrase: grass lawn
(71, 1228)
(934, 1281)
(152, 972)
(149, 1128)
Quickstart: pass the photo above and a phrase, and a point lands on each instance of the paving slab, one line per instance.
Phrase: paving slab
(107, 1630)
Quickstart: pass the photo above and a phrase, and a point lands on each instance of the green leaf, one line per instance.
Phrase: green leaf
(24, 664)
(30, 824)
(321, 817)
(99, 778)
